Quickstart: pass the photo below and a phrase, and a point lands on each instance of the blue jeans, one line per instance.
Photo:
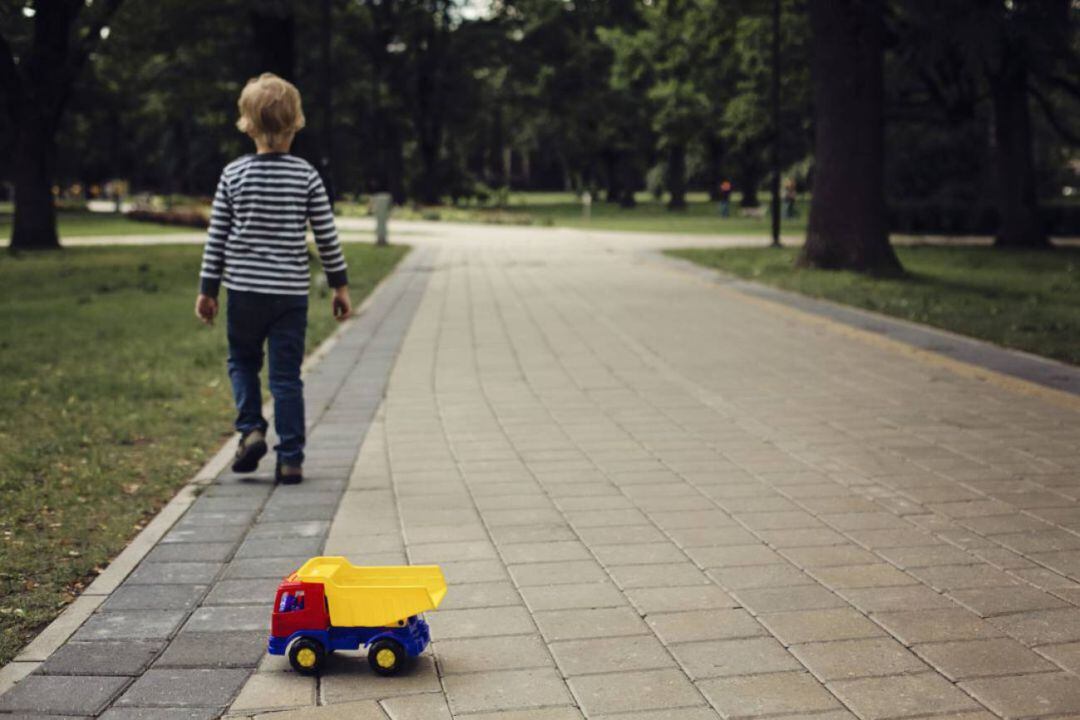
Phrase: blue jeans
(280, 322)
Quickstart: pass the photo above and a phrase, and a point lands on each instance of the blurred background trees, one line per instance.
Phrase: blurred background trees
(450, 100)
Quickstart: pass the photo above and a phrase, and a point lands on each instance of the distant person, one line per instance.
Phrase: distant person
(725, 198)
(790, 195)
(257, 247)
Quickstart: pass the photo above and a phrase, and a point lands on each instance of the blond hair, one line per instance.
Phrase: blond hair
(270, 110)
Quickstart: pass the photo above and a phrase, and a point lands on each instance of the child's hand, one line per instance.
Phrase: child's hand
(341, 305)
(206, 308)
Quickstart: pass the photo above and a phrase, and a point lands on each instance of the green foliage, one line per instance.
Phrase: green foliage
(89, 454)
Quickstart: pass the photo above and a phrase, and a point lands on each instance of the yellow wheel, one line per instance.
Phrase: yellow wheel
(306, 656)
(386, 656)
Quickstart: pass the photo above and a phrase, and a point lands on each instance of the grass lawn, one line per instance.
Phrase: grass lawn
(1025, 300)
(113, 396)
(77, 223)
(564, 210)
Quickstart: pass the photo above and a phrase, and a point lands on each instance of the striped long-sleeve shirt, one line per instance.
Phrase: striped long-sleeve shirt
(258, 228)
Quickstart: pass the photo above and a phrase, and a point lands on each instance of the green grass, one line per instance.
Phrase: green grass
(113, 396)
(82, 223)
(564, 210)
(1024, 300)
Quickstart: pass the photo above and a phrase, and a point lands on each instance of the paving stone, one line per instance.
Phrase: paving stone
(211, 534)
(275, 691)
(720, 658)
(961, 577)
(988, 602)
(703, 625)
(496, 653)
(410, 707)
(218, 649)
(565, 597)
(921, 626)
(898, 598)
(271, 547)
(251, 568)
(693, 597)
(102, 658)
(711, 536)
(348, 679)
(191, 552)
(62, 694)
(592, 623)
(900, 696)
(286, 530)
(474, 571)
(807, 597)
(627, 691)
(862, 576)
(683, 713)
(829, 556)
(639, 554)
(622, 534)
(662, 575)
(771, 694)
(1041, 627)
(256, 591)
(154, 597)
(481, 622)
(116, 713)
(761, 576)
(238, 618)
(505, 690)
(849, 659)
(358, 710)
(927, 555)
(803, 626)
(982, 658)
(557, 573)
(174, 573)
(733, 556)
(130, 625)
(184, 688)
(1028, 695)
(615, 654)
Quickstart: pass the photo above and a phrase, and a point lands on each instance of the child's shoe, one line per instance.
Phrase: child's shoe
(289, 474)
(250, 450)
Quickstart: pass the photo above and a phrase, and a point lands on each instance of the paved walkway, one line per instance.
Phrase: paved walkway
(653, 497)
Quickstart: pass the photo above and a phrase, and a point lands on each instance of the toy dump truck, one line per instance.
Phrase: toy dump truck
(330, 604)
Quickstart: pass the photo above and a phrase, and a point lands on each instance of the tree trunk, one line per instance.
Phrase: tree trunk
(1020, 225)
(35, 212)
(749, 178)
(715, 148)
(848, 228)
(275, 42)
(676, 177)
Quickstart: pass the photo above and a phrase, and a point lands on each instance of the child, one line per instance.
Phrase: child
(257, 246)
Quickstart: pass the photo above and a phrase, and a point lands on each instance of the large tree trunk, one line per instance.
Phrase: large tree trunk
(676, 177)
(848, 227)
(1019, 225)
(274, 34)
(35, 213)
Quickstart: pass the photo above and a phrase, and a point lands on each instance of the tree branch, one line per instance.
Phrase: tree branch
(1066, 133)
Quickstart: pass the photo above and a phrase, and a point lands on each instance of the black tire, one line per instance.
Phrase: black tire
(306, 656)
(386, 657)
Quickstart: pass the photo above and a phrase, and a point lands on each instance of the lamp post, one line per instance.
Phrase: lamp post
(775, 101)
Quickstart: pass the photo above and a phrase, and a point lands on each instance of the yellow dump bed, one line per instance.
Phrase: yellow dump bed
(374, 596)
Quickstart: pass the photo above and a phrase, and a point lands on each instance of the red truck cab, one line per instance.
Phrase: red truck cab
(299, 606)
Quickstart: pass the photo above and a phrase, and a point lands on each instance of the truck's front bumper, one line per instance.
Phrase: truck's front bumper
(277, 645)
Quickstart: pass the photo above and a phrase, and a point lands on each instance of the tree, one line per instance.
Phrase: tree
(1010, 52)
(39, 83)
(847, 214)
